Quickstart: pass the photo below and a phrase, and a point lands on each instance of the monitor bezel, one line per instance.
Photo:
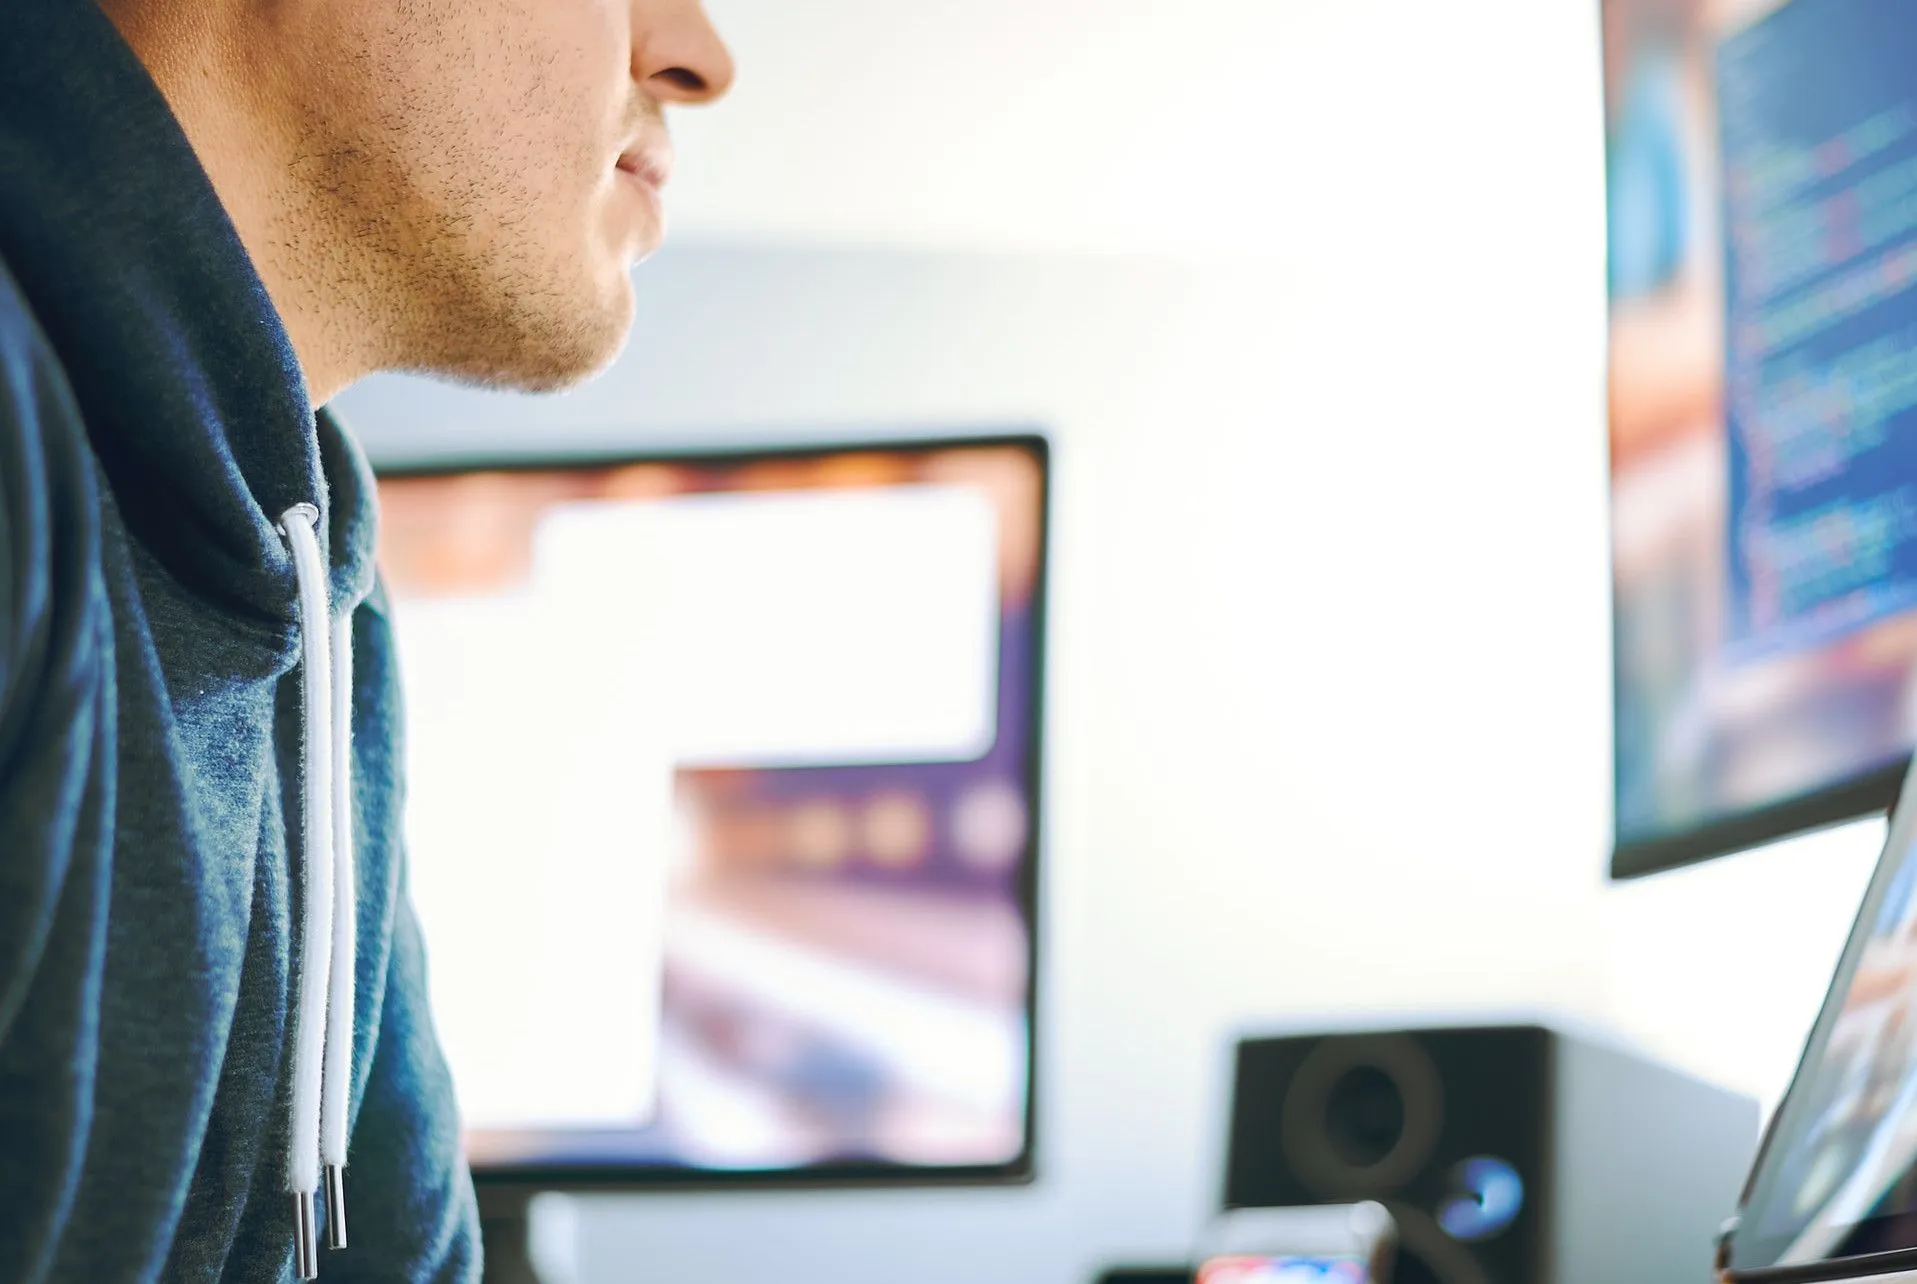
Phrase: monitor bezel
(1873, 793)
(1021, 1169)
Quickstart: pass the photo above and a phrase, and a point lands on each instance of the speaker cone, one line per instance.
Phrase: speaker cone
(1362, 1115)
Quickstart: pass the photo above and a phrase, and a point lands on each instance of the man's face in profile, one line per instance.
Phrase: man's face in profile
(493, 169)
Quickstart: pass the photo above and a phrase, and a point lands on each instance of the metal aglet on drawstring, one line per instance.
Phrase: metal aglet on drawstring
(305, 1237)
(335, 1206)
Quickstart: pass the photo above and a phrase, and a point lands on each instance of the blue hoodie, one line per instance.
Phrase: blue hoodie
(158, 860)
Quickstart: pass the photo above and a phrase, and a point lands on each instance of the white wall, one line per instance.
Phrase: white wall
(1263, 127)
(1329, 707)
(1329, 722)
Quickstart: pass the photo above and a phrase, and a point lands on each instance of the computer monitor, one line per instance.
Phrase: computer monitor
(1762, 210)
(723, 807)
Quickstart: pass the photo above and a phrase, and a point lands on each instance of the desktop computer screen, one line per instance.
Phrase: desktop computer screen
(722, 809)
(1762, 211)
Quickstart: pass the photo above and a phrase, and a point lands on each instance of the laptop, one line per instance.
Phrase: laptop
(1833, 1194)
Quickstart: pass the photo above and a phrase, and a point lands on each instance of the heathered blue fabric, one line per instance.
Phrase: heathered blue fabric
(153, 428)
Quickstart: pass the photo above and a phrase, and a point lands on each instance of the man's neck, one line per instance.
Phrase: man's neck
(218, 77)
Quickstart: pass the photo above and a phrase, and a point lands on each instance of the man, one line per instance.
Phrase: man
(214, 216)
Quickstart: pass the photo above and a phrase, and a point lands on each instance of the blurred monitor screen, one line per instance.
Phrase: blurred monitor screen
(1762, 208)
(722, 806)
(1837, 1177)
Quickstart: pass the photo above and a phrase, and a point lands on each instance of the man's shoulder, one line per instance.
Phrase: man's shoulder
(34, 394)
(39, 416)
(48, 484)
(19, 329)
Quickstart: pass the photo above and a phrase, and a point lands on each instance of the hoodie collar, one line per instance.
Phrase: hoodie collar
(193, 400)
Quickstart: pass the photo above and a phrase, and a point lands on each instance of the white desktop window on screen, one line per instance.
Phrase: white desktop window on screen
(544, 724)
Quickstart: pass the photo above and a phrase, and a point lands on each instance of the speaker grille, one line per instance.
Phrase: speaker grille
(1398, 1117)
(1361, 1116)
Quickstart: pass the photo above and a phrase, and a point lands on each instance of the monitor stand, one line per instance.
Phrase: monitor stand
(505, 1231)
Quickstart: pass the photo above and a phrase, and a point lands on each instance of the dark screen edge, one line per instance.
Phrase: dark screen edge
(1873, 793)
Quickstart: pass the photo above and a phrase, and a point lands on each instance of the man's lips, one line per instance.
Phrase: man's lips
(650, 163)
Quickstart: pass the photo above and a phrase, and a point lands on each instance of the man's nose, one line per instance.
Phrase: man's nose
(678, 55)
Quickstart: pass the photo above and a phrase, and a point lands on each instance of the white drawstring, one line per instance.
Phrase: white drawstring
(338, 1078)
(323, 1020)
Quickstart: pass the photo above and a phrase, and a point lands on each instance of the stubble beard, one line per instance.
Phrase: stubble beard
(455, 270)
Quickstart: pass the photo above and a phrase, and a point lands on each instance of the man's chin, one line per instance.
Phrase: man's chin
(545, 353)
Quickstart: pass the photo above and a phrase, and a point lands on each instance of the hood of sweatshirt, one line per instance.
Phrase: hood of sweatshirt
(191, 394)
(233, 522)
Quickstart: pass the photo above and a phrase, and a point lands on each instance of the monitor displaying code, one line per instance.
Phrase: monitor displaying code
(1821, 322)
(1762, 187)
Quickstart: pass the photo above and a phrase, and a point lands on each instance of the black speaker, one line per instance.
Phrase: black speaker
(1508, 1154)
